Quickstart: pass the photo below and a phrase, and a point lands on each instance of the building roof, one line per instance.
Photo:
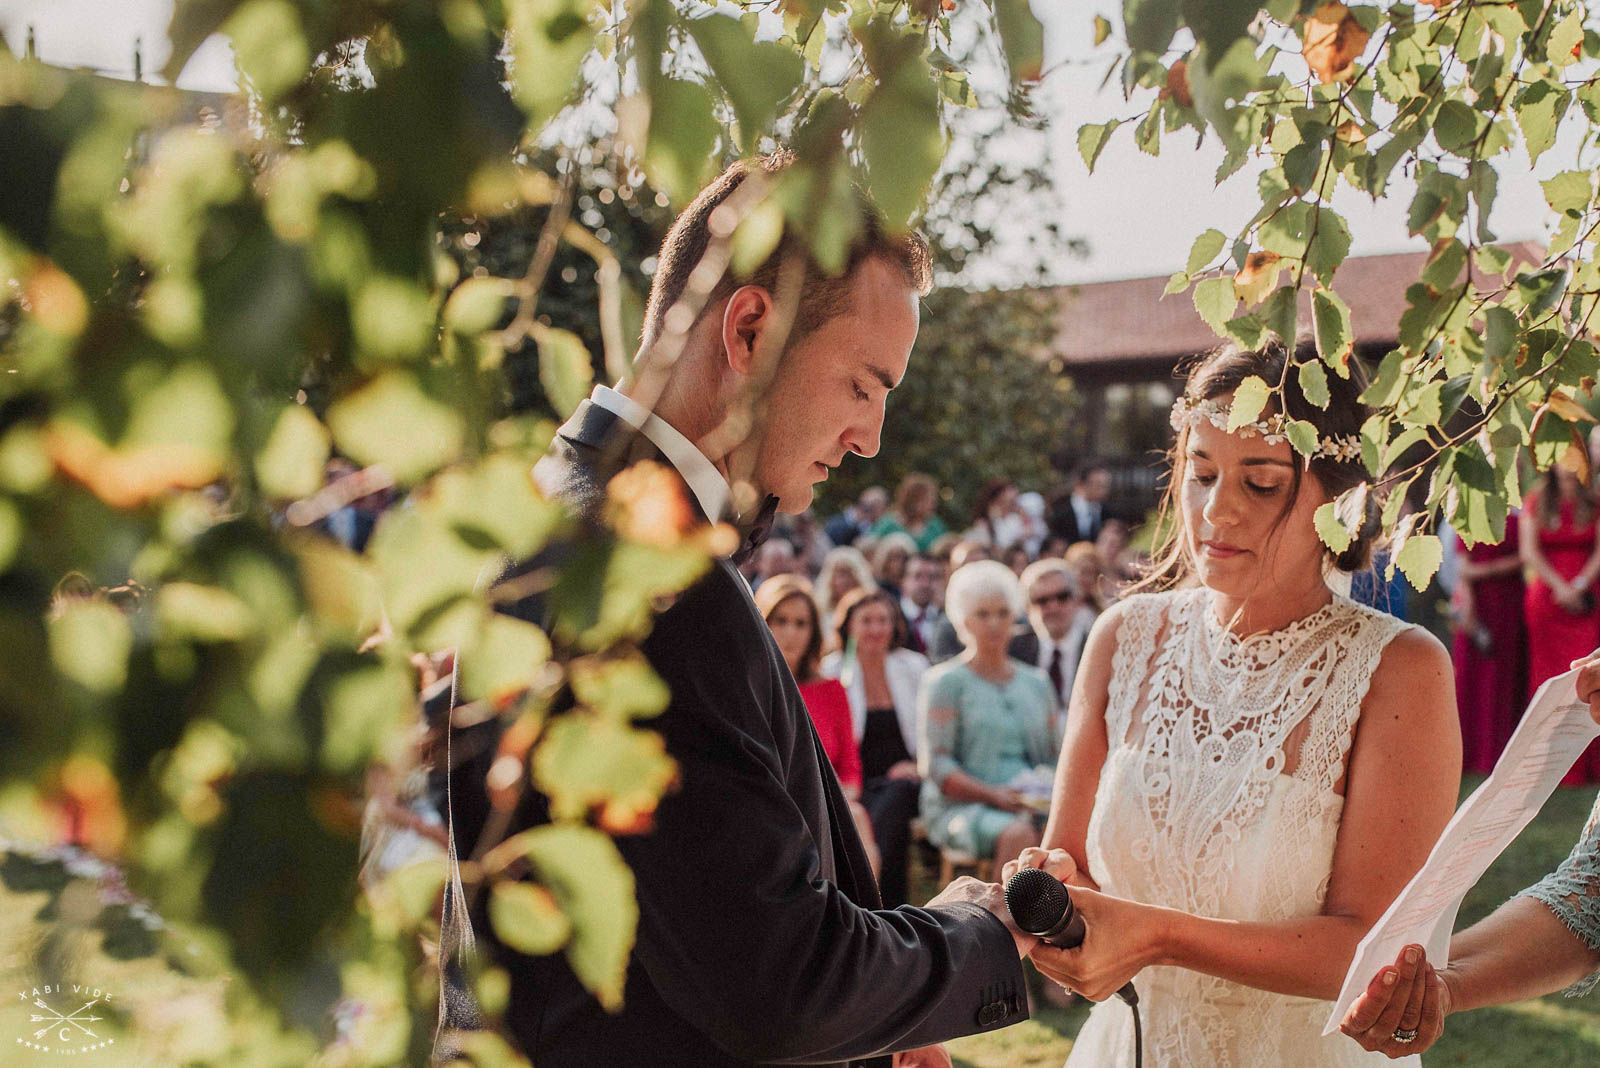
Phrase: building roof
(1112, 322)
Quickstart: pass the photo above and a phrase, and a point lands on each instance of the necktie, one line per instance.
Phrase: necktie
(758, 529)
(1055, 671)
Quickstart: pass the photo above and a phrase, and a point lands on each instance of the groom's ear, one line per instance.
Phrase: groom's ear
(748, 313)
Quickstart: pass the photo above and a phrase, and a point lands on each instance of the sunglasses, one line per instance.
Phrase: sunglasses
(1059, 598)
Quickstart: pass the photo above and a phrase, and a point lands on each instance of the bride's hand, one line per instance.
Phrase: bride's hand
(1121, 937)
(1057, 862)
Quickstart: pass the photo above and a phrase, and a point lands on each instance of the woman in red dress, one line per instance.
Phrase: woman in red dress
(1560, 549)
(1491, 649)
(786, 603)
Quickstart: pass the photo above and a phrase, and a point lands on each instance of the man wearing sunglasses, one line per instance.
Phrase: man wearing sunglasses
(1059, 619)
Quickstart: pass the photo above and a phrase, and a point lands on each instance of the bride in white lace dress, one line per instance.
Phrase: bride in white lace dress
(1254, 766)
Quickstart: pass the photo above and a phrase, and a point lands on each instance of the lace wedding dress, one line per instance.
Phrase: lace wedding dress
(1217, 798)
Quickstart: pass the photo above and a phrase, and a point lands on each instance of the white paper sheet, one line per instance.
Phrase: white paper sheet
(1553, 732)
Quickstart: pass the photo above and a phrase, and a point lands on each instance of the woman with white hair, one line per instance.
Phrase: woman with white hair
(985, 721)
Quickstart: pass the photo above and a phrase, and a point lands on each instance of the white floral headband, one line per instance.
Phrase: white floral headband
(1187, 411)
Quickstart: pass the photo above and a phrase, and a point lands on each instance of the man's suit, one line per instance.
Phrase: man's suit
(1064, 523)
(757, 940)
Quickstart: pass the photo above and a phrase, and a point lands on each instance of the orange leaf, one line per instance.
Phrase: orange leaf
(1259, 276)
(1334, 41)
(1178, 84)
(128, 478)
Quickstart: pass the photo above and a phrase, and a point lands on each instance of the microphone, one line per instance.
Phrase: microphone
(1041, 906)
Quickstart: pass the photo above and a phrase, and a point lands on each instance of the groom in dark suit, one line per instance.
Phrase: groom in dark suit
(761, 935)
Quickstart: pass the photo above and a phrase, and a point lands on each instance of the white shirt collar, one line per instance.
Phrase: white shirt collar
(705, 481)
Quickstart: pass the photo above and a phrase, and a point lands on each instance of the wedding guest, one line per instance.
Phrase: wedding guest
(1059, 619)
(920, 597)
(774, 558)
(791, 614)
(881, 678)
(996, 515)
(1544, 939)
(1559, 547)
(1031, 509)
(1078, 515)
(843, 569)
(1084, 559)
(805, 534)
(1016, 558)
(858, 518)
(1490, 649)
(986, 721)
(947, 643)
(890, 556)
(915, 500)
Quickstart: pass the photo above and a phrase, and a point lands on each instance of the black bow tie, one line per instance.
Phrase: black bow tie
(756, 531)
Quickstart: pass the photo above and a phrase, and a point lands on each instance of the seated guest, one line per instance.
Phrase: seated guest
(843, 569)
(881, 678)
(997, 516)
(946, 643)
(1543, 939)
(920, 594)
(786, 604)
(986, 722)
(1084, 560)
(915, 500)
(1058, 622)
(1016, 558)
(890, 555)
(858, 518)
(774, 558)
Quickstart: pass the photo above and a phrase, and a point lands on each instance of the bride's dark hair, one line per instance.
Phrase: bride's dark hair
(1219, 373)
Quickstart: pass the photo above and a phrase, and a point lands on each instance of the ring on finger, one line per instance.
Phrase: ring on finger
(1404, 1035)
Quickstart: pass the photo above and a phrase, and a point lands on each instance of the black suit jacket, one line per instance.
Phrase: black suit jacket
(1063, 523)
(761, 939)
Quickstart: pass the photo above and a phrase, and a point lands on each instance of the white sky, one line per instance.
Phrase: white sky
(1139, 214)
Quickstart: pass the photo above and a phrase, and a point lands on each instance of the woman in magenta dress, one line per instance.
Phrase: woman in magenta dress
(1491, 649)
(1559, 547)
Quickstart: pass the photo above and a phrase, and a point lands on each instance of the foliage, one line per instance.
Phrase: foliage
(1494, 347)
(194, 318)
(981, 401)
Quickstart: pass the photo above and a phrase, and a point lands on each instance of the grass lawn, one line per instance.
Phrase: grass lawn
(1550, 1032)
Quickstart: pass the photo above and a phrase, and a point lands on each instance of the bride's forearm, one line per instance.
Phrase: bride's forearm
(1304, 957)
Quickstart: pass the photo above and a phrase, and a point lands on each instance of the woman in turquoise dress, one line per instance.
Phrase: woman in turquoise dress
(987, 722)
(1542, 940)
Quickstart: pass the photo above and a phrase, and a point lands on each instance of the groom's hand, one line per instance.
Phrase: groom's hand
(926, 1057)
(991, 897)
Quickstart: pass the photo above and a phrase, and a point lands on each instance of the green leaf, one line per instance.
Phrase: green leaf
(1500, 333)
(1021, 39)
(1492, 260)
(758, 76)
(1314, 383)
(368, 709)
(269, 47)
(1329, 245)
(476, 305)
(1248, 401)
(1150, 24)
(1092, 140)
(1335, 337)
(1539, 109)
(1445, 264)
(1388, 383)
(620, 688)
(680, 151)
(903, 144)
(549, 39)
(1330, 529)
(1457, 126)
(291, 462)
(591, 882)
(527, 918)
(203, 613)
(565, 369)
(192, 22)
(1147, 135)
(1204, 250)
(391, 421)
(1419, 558)
(1565, 40)
(508, 657)
(1569, 192)
(1102, 30)
(1215, 301)
(1302, 433)
(89, 644)
(392, 318)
